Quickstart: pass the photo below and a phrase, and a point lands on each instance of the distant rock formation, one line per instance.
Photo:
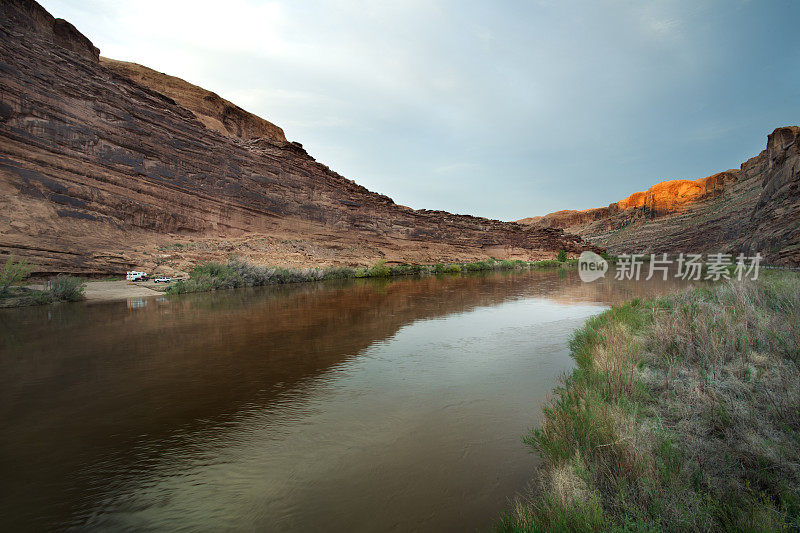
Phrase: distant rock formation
(106, 166)
(753, 209)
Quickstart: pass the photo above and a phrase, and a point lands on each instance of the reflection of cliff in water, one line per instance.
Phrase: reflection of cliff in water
(107, 377)
(200, 355)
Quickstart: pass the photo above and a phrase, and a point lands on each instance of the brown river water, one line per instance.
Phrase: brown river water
(366, 405)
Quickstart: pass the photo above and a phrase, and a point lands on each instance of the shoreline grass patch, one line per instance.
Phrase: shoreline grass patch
(62, 288)
(239, 273)
(682, 414)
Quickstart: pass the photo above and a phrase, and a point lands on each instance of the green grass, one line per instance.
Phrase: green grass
(12, 294)
(682, 414)
(238, 273)
(62, 289)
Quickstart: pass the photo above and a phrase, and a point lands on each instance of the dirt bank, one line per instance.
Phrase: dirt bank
(121, 290)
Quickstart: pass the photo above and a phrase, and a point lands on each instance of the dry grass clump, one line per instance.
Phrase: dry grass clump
(683, 414)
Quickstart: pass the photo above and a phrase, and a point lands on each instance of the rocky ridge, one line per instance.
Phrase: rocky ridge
(106, 166)
(753, 209)
(213, 111)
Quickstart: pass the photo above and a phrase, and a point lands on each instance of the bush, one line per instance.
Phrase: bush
(480, 265)
(41, 297)
(339, 273)
(441, 268)
(13, 272)
(562, 256)
(67, 288)
(378, 270)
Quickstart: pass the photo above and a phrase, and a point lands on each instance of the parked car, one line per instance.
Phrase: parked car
(162, 279)
(134, 275)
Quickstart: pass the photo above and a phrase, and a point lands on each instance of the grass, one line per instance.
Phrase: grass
(61, 288)
(682, 414)
(238, 273)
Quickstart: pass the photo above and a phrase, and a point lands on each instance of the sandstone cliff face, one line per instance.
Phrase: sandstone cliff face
(214, 112)
(775, 219)
(27, 16)
(101, 171)
(753, 209)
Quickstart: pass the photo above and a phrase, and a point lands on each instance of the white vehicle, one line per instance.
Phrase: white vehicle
(134, 275)
(162, 279)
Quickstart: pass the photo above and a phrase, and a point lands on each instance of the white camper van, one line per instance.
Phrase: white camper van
(134, 275)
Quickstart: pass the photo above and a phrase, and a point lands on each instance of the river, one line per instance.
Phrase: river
(365, 405)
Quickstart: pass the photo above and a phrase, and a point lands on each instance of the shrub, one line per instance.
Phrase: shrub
(562, 256)
(13, 272)
(441, 268)
(41, 297)
(67, 288)
(547, 263)
(480, 265)
(378, 270)
(339, 273)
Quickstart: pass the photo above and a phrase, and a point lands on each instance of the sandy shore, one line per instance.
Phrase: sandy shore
(122, 290)
(117, 290)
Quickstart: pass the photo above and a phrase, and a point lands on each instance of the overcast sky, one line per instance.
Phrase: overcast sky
(498, 109)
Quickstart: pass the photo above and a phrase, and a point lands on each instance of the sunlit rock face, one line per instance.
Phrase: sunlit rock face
(105, 164)
(755, 208)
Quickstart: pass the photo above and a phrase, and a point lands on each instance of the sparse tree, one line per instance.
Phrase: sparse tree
(13, 272)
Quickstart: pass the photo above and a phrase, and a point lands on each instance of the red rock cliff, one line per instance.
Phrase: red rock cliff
(213, 111)
(753, 209)
(105, 166)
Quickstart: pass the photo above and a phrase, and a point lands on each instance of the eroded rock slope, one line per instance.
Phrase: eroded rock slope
(105, 166)
(755, 208)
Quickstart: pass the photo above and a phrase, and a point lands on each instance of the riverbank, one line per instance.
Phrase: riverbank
(97, 291)
(683, 413)
(210, 276)
(236, 273)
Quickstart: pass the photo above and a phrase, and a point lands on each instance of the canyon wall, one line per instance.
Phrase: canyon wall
(106, 166)
(753, 209)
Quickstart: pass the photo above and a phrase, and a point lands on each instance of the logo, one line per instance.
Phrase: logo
(591, 266)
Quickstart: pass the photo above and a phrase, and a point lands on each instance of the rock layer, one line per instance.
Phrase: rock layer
(213, 111)
(755, 209)
(105, 165)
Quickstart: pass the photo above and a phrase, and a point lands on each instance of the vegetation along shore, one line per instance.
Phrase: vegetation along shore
(682, 414)
(238, 273)
(59, 289)
(211, 275)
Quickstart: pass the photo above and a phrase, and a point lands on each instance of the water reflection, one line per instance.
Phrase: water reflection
(136, 303)
(375, 404)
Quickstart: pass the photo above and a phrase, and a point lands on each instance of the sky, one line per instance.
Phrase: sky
(497, 109)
